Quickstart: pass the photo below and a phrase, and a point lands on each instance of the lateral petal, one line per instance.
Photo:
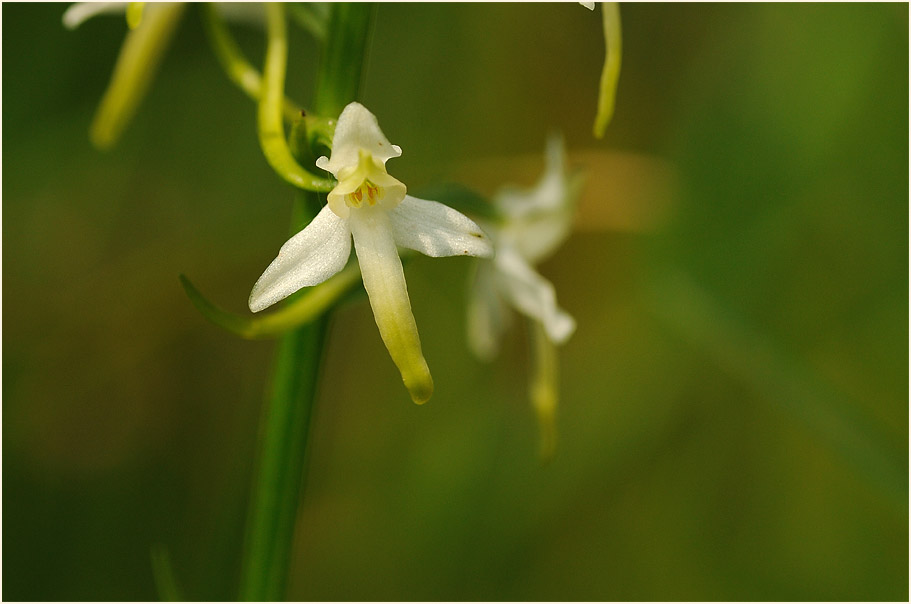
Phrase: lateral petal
(309, 258)
(436, 230)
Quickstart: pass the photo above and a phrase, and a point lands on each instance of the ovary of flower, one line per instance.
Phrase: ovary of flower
(535, 222)
(372, 208)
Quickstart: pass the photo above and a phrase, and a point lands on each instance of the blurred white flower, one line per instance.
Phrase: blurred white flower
(371, 207)
(534, 224)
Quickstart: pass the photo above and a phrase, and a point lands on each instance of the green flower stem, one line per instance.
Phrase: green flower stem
(269, 118)
(610, 12)
(137, 63)
(342, 64)
(235, 64)
(278, 485)
(281, 465)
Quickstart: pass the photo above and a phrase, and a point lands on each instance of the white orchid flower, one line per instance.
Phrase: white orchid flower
(371, 207)
(534, 223)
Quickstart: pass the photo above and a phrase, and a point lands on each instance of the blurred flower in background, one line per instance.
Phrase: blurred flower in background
(532, 224)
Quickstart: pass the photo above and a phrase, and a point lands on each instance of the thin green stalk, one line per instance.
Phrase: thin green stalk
(613, 43)
(279, 480)
(281, 465)
(309, 306)
(543, 388)
(137, 63)
(235, 64)
(269, 117)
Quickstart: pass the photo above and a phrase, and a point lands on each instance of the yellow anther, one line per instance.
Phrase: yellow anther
(354, 199)
(366, 182)
(373, 193)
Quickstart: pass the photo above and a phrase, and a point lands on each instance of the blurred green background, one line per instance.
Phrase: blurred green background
(734, 414)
